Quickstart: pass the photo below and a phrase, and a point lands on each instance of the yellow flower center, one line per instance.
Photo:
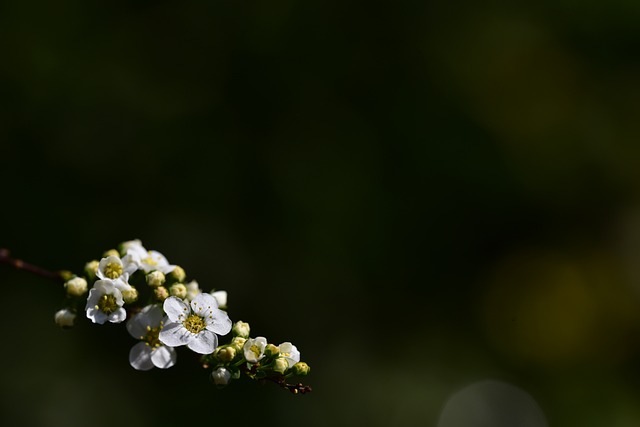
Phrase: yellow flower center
(113, 270)
(194, 323)
(255, 350)
(151, 337)
(107, 304)
(150, 261)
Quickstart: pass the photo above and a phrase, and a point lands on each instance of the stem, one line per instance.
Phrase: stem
(293, 388)
(18, 264)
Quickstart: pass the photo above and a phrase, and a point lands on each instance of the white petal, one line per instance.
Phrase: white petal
(140, 357)
(176, 309)
(118, 316)
(164, 357)
(204, 342)
(137, 326)
(96, 315)
(220, 322)
(174, 335)
(203, 305)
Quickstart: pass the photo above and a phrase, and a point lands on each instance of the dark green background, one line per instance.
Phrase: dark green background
(419, 195)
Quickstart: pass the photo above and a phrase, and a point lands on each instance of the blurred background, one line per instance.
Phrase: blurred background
(437, 202)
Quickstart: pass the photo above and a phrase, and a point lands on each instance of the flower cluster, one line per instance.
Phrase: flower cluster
(163, 311)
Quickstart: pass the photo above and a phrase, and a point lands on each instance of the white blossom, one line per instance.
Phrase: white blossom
(105, 302)
(289, 352)
(194, 325)
(254, 349)
(114, 267)
(149, 352)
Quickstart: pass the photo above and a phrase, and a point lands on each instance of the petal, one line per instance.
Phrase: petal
(164, 357)
(176, 309)
(204, 342)
(137, 326)
(203, 304)
(140, 357)
(118, 316)
(96, 315)
(220, 322)
(174, 335)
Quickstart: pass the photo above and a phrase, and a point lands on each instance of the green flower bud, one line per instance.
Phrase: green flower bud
(301, 369)
(238, 343)
(91, 269)
(178, 290)
(76, 287)
(161, 293)
(178, 274)
(155, 279)
(280, 365)
(271, 350)
(66, 275)
(111, 252)
(241, 329)
(130, 295)
(226, 354)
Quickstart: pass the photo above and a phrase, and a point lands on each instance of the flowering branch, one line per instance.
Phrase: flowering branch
(174, 313)
(5, 258)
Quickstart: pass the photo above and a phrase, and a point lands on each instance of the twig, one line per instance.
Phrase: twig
(18, 264)
(293, 388)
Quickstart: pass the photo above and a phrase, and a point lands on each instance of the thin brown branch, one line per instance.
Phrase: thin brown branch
(293, 388)
(5, 258)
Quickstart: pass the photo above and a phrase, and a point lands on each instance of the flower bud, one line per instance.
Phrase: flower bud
(301, 369)
(271, 350)
(178, 290)
(221, 299)
(65, 318)
(226, 354)
(130, 295)
(221, 376)
(193, 290)
(76, 287)
(66, 275)
(91, 269)
(238, 343)
(178, 274)
(155, 279)
(161, 293)
(280, 365)
(241, 329)
(111, 252)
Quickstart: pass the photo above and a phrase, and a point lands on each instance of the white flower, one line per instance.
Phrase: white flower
(134, 248)
(76, 287)
(221, 376)
(196, 324)
(149, 352)
(289, 352)
(221, 297)
(105, 302)
(146, 260)
(193, 290)
(112, 267)
(65, 318)
(254, 349)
